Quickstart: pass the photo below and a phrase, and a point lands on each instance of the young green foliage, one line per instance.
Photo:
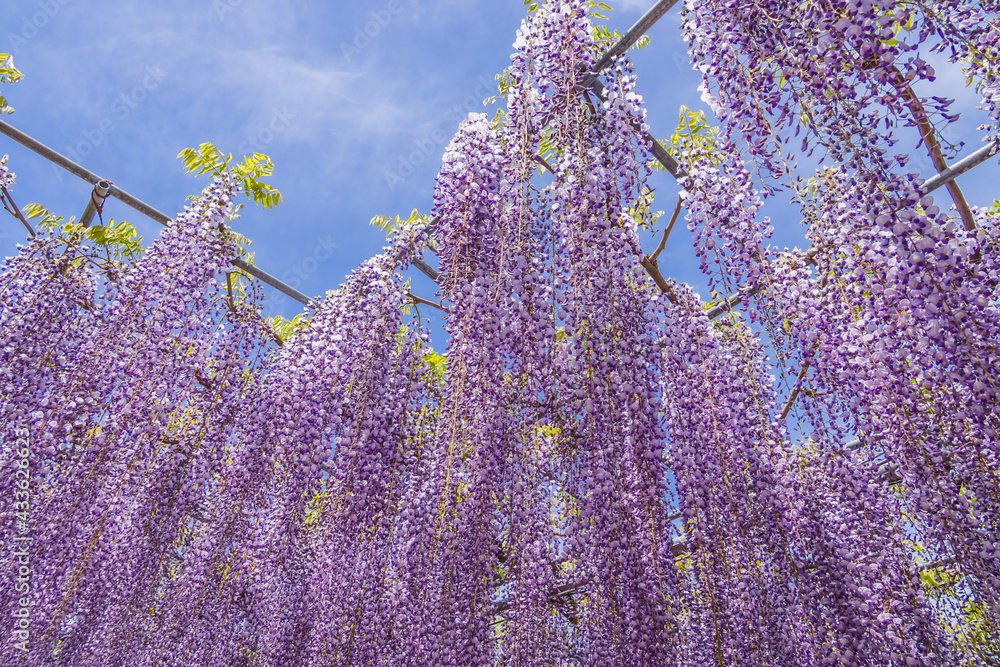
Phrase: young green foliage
(286, 328)
(393, 225)
(693, 133)
(8, 74)
(208, 159)
(110, 247)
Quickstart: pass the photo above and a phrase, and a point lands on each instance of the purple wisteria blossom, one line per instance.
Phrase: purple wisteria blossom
(594, 472)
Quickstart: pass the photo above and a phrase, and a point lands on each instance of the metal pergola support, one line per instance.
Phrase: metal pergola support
(631, 36)
(111, 190)
(930, 185)
(965, 164)
(105, 188)
(426, 269)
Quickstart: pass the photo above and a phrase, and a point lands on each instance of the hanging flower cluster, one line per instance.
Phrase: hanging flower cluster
(790, 549)
(595, 472)
(887, 326)
(128, 409)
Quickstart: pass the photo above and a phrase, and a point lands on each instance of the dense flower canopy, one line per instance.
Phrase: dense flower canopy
(595, 472)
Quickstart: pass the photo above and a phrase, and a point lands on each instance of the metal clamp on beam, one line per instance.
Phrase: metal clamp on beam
(96, 204)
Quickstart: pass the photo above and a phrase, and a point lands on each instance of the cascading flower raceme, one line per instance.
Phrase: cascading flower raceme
(452, 553)
(352, 382)
(309, 507)
(7, 177)
(131, 432)
(595, 472)
(609, 412)
(804, 529)
(970, 33)
(887, 326)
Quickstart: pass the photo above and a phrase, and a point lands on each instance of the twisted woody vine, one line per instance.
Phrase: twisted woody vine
(595, 471)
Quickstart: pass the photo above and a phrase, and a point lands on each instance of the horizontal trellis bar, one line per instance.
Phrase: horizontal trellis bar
(965, 164)
(426, 269)
(138, 205)
(268, 279)
(655, 147)
(77, 170)
(724, 307)
(631, 36)
(933, 183)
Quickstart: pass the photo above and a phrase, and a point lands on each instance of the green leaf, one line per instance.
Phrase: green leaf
(32, 211)
(693, 133)
(437, 362)
(393, 225)
(208, 159)
(383, 222)
(120, 239)
(286, 328)
(8, 74)
(48, 219)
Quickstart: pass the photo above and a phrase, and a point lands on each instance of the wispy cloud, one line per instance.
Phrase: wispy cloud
(633, 5)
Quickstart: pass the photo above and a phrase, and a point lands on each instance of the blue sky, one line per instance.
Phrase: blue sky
(354, 102)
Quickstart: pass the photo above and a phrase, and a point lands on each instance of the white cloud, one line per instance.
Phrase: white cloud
(633, 5)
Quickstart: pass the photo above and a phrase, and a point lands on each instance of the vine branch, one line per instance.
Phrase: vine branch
(933, 146)
(669, 228)
(795, 389)
(417, 299)
(545, 164)
(12, 208)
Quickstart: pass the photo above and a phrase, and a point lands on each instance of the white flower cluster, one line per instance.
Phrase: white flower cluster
(6, 176)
